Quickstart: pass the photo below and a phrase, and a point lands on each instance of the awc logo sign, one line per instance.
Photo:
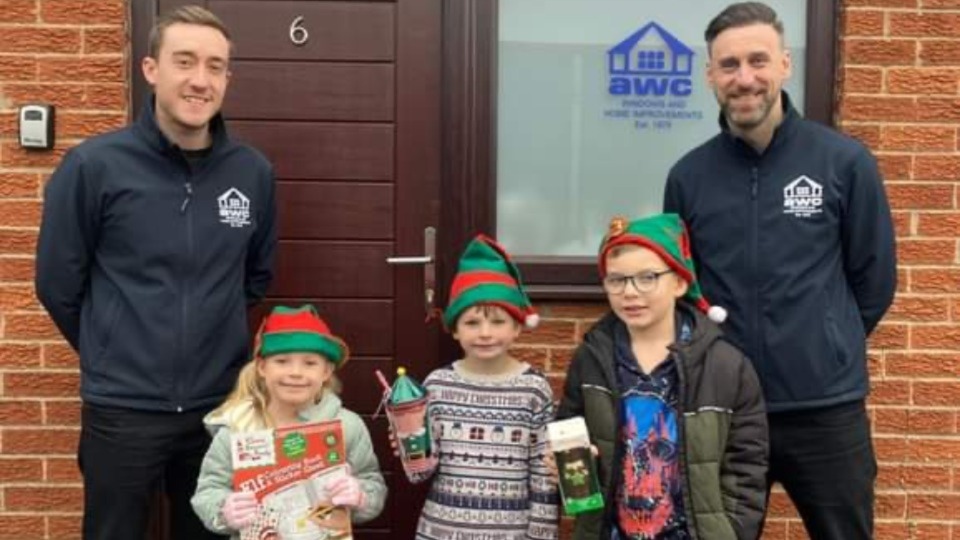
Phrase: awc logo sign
(651, 62)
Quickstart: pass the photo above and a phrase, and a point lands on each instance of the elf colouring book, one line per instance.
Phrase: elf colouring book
(288, 470)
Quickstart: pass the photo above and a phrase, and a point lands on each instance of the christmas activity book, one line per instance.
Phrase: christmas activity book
(288, 470)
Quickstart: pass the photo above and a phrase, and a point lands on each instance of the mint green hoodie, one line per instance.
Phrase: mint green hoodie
(216, 473)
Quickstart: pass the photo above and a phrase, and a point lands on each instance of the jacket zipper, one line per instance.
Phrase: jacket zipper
(185, 284)
(688, 510)
(755, 264)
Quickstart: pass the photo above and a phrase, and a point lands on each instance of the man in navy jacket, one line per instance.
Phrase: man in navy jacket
(792, 232)
(155, 239)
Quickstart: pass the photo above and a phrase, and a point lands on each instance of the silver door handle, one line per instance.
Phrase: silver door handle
(429, 270)
(423, 259)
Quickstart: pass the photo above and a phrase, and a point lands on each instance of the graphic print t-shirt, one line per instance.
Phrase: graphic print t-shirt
(650, 496)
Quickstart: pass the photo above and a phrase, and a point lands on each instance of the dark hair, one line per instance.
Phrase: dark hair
(742, 14)
(184, 15)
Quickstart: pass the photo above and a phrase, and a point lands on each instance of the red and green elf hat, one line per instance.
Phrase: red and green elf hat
(301, 329)
(487, 276)
(666, 235)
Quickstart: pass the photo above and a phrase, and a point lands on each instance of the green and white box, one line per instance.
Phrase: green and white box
(576, 467)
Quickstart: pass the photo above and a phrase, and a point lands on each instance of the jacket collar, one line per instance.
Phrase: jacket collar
(147, 125)
(703, 333)
(782, 132)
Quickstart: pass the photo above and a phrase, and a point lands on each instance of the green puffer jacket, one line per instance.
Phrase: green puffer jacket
(216, 472)
(723, 432)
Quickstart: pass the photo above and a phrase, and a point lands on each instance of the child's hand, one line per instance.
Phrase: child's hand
(346, 491)
(239, 509)
(550, 462)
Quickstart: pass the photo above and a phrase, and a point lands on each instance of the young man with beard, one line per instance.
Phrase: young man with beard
(791, 230)
(154, 240)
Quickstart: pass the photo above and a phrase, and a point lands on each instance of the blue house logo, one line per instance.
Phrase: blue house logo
(651, 62)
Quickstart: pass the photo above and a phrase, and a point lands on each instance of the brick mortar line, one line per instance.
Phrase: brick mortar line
(40, 513)
(918, 409)
(72, 455)
(50, 370)
(954, 126)
(38, 341)
(925, 492)
(62, 55)
(894, 9)
(44, 484)
(914, 181)
(41, 24)
(79, 112)
(70, 83)
(954, 95)
(907, 153)
(918, 38)
(56, 399)
(920, 437)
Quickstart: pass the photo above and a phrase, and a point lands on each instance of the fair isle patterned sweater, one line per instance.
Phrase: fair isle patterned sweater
(490, 482)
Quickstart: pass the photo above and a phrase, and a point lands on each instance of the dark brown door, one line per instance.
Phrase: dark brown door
(344, 98)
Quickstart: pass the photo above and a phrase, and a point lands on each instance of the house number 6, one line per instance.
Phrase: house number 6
(298, 34)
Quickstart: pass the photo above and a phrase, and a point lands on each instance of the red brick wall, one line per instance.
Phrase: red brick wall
(72, 54)
(900, 92)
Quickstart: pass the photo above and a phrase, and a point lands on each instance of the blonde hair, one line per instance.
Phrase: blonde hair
(197, 15)
(245, 409)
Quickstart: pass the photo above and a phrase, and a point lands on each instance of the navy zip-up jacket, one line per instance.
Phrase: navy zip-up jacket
(147, 265)
(798, 244)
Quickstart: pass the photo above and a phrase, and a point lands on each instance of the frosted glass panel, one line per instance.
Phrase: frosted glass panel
(597, 99)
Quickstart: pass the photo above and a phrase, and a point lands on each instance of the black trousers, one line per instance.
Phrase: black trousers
(825, 461)
(123, 456)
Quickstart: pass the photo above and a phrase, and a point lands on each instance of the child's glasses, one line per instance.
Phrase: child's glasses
(643, 282)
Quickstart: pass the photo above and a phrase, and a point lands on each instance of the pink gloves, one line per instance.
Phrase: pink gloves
(346, 491)
(239, 509)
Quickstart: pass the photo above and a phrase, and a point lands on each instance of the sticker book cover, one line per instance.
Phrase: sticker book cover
(288, 470)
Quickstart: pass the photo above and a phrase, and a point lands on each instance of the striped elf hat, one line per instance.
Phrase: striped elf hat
(487, 276)
(666, 235)
(287, 330)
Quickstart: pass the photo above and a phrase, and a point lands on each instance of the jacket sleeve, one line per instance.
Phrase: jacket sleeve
(869, 249)
(365, 467)
(214, 483)
(743, 473)
(544, 499)
(672, 201)
(263, 247)
(66, 244)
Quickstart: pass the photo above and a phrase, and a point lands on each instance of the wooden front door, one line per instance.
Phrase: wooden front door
(344, 99)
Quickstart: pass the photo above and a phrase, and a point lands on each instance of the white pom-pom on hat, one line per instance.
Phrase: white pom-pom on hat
(532, 320)
(717, 314)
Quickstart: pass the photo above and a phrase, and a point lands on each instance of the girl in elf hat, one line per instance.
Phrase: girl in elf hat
(487, 414)
(675, 411)
(290, 381)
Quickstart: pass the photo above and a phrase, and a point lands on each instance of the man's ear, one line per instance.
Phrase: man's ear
(708, 74)
(149, 68)
(787, 64)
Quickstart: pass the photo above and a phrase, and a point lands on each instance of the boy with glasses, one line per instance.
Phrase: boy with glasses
(675, 411)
